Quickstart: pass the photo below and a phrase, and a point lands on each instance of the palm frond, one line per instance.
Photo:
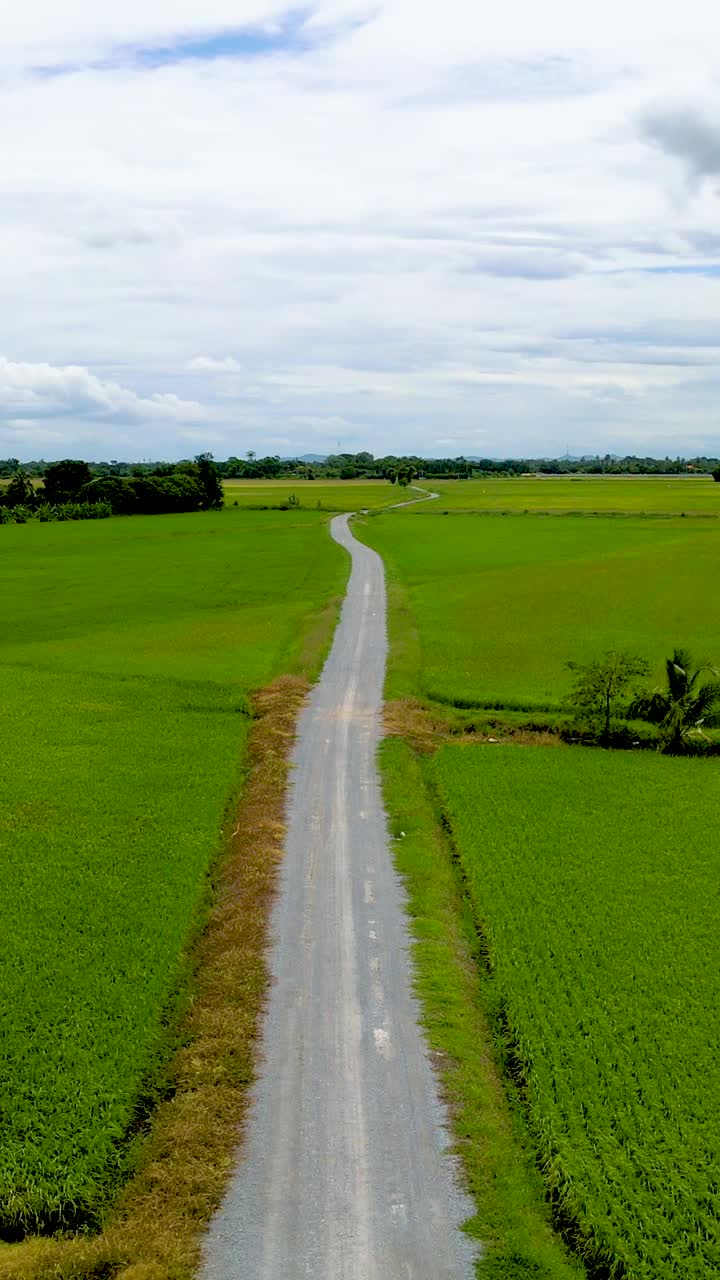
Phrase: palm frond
(705, 702)
(677, 669)
(652, 707)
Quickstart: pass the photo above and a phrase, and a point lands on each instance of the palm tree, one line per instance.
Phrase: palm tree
(684, 707)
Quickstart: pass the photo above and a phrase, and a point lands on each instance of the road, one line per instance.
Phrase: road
(343, 1174)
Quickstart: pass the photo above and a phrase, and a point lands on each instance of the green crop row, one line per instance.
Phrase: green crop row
(127, 653)
(593, 876)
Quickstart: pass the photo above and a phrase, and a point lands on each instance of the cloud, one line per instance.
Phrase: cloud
(118, 237)
(688, 134)
(527, 264)
(208, 364)
(31, 390)
(370, 221)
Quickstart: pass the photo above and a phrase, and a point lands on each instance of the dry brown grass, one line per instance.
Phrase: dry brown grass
(410, 719)
(427, 728)
(154, 1232)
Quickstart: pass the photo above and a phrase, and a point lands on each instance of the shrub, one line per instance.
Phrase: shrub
(61, 511)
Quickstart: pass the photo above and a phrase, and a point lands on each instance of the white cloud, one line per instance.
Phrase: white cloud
(33, 389)
(421, 223)
(208, 364)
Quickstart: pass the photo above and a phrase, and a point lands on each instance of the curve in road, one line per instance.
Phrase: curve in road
(344, 1173)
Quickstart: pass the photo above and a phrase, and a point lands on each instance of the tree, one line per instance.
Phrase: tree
(210, 482)
(716, 474)
(64, 480)
(20, 491)
(601, 686)
(680, 710)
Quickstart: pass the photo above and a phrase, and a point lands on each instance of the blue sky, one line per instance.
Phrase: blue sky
(288, 36)
(364, 223)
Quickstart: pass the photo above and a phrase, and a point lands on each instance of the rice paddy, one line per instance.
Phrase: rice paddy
(558, 495)
(593, 877)
(128, 651)
(486, 611)
(312, 495)
(127, 655)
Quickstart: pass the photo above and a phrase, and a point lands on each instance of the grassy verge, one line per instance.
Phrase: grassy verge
(512, 1220)
(154, 1231)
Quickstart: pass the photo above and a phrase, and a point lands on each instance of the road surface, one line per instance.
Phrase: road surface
(343, 1174)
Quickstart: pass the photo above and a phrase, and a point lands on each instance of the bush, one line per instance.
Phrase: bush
(146, 495)
(155, 495)
(110, 489)
(20, 515)
(81, 511)
(61, 511)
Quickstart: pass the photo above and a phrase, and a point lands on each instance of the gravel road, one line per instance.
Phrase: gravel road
(343, 1174)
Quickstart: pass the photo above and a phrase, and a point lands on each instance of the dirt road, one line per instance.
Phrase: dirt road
(342, 1175)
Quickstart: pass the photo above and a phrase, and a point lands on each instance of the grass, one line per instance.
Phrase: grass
(323, 495)
(623, 495)
(485, 612)
(512, 1220)
(594, 882)
(128, 657)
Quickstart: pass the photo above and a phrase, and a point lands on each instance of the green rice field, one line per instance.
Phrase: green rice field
(322, 495)
(652, 495)
(594, 877)
(128, 649)
(485, 611)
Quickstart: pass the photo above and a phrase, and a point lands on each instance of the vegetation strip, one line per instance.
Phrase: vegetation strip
(456, 997)
(154, 1232)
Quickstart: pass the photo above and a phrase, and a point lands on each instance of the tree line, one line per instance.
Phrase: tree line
(70, 489)
(363, 465)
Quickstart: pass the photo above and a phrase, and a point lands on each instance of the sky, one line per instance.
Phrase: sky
(462, 228)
